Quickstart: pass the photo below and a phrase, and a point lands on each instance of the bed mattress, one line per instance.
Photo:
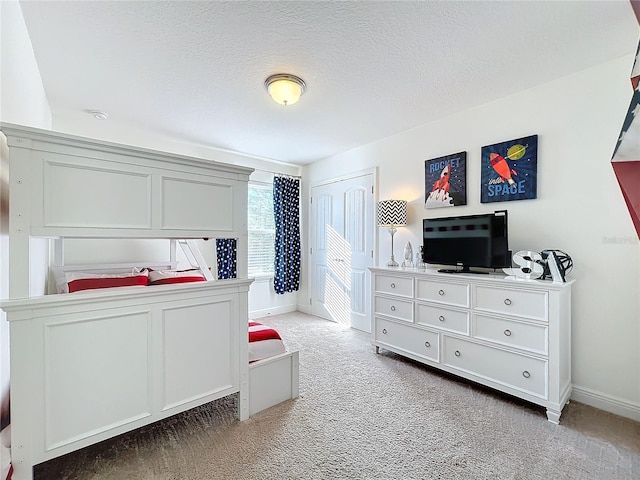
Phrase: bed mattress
(264, 342)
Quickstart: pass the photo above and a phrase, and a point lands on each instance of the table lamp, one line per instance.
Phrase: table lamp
(392, 214)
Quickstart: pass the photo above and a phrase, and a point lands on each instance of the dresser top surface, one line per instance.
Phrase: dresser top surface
(432, 273)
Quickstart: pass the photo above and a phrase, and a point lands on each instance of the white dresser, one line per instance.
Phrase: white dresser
(511, 335)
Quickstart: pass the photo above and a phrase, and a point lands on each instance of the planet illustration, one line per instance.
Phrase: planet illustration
(516, 152)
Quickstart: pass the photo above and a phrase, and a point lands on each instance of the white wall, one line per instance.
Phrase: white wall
(22, 96)
(579, 208)
(22, 100)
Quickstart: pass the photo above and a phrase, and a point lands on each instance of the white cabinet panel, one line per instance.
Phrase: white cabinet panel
(397, 286)
(442, 292)
(95, 196)
(183, 201)
(511, 333)
(524, 303)
(439, 317)
(408, 339)
(197, 352)
(528, 374)
(394, 307)
(115, 363)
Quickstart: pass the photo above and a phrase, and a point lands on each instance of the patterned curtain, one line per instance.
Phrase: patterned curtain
(226, 256)
(286, 211)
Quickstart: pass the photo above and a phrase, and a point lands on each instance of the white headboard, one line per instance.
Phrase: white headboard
(68, 186)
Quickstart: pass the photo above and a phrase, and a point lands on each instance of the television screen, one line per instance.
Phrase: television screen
(467, 241)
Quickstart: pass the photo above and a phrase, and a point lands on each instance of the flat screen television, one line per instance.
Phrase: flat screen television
(467, 241)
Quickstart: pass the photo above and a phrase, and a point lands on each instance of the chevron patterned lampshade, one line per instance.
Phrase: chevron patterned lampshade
(392, 213)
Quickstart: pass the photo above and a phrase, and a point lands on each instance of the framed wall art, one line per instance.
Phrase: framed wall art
(445, 181)
(509, 170)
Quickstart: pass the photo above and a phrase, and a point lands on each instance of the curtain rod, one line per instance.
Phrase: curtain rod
(277, 173)
(287, 175)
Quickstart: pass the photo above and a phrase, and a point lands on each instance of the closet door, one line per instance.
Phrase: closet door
(342, 250)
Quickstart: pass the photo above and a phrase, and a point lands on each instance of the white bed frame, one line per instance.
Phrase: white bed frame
(91, 365)
(272, 381)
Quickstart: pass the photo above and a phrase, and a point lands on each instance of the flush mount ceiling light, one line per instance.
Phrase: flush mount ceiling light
(284, 88)
(99, 115)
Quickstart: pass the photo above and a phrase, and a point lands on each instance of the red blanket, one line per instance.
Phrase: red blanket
(258, 332)
(264, 342)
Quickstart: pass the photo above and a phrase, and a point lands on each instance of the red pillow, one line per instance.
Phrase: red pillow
(106, 281)
(164, 277)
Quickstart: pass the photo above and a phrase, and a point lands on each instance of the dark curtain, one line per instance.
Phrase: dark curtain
(226, 256)
(286, 211)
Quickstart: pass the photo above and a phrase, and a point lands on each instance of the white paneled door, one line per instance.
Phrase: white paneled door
(342, 250)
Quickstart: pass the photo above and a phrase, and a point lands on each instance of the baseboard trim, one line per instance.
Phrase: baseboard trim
(605, 402)
(271, 311)
(304, 309)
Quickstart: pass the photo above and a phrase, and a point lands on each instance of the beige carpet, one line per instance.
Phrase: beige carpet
(366, 416)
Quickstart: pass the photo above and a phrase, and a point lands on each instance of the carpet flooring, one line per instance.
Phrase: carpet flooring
(366, 416)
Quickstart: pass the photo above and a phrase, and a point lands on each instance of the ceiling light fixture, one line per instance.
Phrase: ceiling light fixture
(284, 88)
(99, 115)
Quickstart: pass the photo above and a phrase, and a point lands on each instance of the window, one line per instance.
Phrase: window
(262, 230)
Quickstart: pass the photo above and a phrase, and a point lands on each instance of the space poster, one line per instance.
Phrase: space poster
(445, 181)
(509, 170)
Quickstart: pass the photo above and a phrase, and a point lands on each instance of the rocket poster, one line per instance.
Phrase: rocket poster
(509, 170)
(445, 181)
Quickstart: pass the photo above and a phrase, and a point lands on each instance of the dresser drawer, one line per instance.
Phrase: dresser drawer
(523, 373)
(408, 339)
(440, 317)
(523, 303)
(400, 286)
(442, 292)
(394, 307)
(521, 335)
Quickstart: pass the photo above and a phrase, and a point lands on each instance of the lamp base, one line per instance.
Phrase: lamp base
(392, 262)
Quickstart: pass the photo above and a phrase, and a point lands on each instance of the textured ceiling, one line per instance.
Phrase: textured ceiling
(194, 71)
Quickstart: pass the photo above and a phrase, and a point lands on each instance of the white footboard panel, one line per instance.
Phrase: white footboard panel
(272, 381)
(91, 365)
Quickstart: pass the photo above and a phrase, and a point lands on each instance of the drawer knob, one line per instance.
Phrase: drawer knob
(441, 292)
(393, 308)
(507, 332)
(507, 301)
(384, 330)
(393, 285)
(457, 353)
(427, 344)
(526, 374)
(441, 318)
